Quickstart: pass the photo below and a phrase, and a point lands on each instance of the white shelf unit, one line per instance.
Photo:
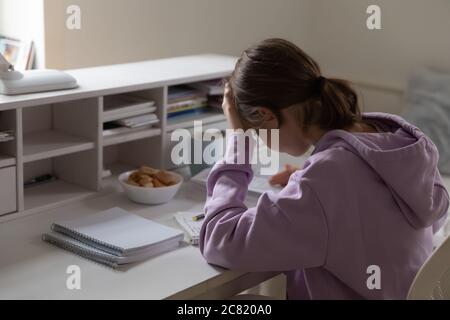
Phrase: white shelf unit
(8, 149)
(61, 132)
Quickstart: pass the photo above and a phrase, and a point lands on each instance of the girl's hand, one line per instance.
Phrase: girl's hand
(282, 177)
(230, 110)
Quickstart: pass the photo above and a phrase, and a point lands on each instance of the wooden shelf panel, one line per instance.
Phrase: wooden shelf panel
(187, 120)
(134, 134)
(51, 143)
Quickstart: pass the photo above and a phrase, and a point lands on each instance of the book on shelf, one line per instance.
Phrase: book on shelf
(187, 105)
(211, 87)
(114, 237)
(184, 93)
(111, 131)
(139, 120)
(6, 136)
(126, 105)
(127, 125)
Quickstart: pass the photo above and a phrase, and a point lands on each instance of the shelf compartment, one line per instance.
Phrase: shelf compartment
(187, 120)
(52, 143)
(77, 176)
(8, 149)
(53, 194)
(131, 135)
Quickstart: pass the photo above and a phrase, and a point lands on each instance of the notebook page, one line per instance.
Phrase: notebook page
(118, 230)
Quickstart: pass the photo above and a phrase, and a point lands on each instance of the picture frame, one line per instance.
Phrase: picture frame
(19, 53)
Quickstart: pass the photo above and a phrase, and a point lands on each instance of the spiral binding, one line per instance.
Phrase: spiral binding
(112, 249)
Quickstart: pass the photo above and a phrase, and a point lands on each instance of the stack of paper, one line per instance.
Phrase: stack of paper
(192, 228)
(210, 87)
(114, 237)
(6, 136)
(123, 106)
(139, 121)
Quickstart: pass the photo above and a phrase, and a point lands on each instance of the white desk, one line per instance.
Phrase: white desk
(33, 269)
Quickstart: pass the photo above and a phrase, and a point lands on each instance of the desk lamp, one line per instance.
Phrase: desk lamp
(14, 82)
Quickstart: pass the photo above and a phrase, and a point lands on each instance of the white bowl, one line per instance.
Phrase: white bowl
(149, 195)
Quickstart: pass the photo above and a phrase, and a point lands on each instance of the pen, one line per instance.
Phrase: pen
(198, 217)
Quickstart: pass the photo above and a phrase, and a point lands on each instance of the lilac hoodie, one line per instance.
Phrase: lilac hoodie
(361, 199)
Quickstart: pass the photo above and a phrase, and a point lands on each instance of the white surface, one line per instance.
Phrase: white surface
(51, 143)
(149, 195)
(131, 135)
(34, 269)
(8, 202)
(432, 282)
(30, 81)
(107, 80)
(52, 194)
(6, 161)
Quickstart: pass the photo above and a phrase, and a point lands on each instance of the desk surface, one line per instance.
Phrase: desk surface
(33, 269)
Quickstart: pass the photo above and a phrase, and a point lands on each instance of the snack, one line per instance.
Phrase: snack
(148, 177)
(165, 178)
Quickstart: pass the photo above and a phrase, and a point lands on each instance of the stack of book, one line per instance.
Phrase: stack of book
(122, 113)
(214, 91)
(210, 88)
(184, 99)
(6, 136)
(114, 237)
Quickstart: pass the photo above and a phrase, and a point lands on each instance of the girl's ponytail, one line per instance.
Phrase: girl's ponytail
(338, 104)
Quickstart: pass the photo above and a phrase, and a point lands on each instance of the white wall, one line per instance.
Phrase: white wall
(415, 33)
(116, 31)
(24, 19)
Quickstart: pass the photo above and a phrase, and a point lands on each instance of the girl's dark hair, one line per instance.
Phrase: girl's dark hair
(277, 74)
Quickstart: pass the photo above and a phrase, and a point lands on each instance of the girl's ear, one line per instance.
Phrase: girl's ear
(270, 120)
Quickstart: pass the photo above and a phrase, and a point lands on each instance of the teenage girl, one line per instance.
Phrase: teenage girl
(357, 220)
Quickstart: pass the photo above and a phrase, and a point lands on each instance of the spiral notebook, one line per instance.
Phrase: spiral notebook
(114, 237)
(191, 227)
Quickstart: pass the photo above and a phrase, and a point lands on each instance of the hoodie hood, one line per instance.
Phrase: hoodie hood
(405, 159)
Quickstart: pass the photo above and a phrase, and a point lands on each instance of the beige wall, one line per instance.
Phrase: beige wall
(415, 33)
(116, 31)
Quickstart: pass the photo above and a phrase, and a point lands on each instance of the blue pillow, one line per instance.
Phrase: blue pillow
(428, 108)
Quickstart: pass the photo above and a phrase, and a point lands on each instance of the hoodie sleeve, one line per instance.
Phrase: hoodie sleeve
(441, 196)
(285, 231)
